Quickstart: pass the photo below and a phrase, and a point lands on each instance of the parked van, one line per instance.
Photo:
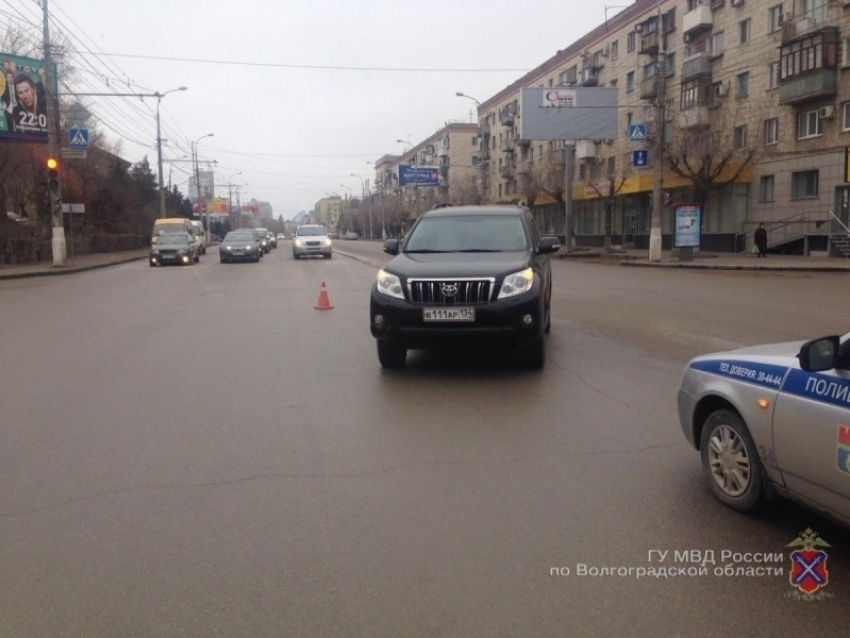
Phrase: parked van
(201, 235)
(170, 225)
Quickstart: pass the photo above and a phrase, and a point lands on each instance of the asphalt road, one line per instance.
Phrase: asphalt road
(198, 452)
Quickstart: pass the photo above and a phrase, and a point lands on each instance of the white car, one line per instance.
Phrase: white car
(773, 419)
(312, 239)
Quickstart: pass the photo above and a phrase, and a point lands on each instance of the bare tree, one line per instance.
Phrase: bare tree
(608, 191)
(711, 148)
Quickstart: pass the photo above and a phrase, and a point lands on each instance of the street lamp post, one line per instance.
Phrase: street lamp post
(383, 195)
(469, 97)
(159, 97)
(230, 194)
(198, 180)
(350, 214)
(239, 205)
(415, 179)
(363, 184)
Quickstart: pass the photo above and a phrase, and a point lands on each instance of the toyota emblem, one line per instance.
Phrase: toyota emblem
(449, 290)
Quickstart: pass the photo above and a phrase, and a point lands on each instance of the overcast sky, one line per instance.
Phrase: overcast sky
(297, 134)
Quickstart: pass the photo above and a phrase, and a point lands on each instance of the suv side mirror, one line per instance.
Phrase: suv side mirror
(391, 246)
(549, 245)
(819, 355)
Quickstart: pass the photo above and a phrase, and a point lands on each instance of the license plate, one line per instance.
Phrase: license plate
(169, 256)
(448, 314)
(238, 252)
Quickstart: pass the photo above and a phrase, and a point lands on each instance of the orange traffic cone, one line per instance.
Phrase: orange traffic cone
(324, 303)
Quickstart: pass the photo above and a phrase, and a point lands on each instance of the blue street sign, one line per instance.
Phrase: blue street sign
(640, 158)
(637, 132)
(78, 138)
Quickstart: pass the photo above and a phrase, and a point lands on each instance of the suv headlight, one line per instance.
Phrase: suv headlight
(517, 283)
(389, 285)
(326, 242)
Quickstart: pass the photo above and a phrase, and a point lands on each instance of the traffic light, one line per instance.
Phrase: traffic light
(54, 185)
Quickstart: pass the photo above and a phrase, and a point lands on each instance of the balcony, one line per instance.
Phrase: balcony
(648, 88)
(589, 76)
(444, 170)
(507, 172)
(693, 118)
(523, 143)
(507, 145)
(523, 168)
(698, 20)
(484, 129)
(695, 67)
(811, 86)
(559, 157)
(506, 116)
(442, 151)
(585, 149)
(649, 43)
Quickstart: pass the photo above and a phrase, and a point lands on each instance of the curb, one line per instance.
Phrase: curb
(639, 264)
(67, 271)
(362, 260)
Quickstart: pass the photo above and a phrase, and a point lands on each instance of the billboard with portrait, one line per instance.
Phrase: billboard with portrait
(23, 98)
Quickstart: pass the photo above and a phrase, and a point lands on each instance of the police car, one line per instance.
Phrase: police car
(773, 419)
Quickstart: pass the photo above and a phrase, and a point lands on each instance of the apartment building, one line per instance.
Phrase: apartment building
(328, 210)
(748, 96)
(453, 152)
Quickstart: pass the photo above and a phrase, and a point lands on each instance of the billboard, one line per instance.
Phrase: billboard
(687, 233)
(418, 175)
(218, 206)
(569, 114)
(23, 98)
(250, 209)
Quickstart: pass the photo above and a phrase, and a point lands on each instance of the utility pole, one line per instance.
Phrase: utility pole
(59, 247)
(658, 166)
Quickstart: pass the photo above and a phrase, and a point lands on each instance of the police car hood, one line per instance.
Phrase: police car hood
(777, 353)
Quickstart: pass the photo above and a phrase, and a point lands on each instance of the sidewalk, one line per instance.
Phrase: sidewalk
(80, 263)
(710, 261)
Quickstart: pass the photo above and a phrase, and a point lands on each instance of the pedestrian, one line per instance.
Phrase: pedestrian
(760, 240)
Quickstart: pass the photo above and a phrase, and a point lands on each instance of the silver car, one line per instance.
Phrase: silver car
(312, 239)
(773, 420)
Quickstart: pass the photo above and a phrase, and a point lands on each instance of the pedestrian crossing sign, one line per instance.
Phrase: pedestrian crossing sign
(78, 139)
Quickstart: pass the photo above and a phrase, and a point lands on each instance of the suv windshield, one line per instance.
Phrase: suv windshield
(478, 233)
(310, 231)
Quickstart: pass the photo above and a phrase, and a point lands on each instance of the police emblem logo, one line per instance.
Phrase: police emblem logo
(808, 565)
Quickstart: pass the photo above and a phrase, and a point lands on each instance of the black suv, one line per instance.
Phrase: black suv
(465, 275)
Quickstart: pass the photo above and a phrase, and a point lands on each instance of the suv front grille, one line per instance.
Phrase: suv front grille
(433, 292)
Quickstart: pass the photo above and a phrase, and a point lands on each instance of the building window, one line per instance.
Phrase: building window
(594, 169)
(612, 165)
(628, 120)
(804, 184)
(571, 74)
(739, 137)
(716, 44)
(615, 49)
(474, 141)
(500, 190)
(551, 82)
(810, 54)
(670, 65)
(742, 84)
(766, 188)
(809, 124)
(582, 172)
(771, 130)
(773, 75)
(845, 116)
(630, 82)
(650, 70)
(744, 30)
(630, 42)
(562, 79)
(613, 84)
(692, 5)
(774, 18)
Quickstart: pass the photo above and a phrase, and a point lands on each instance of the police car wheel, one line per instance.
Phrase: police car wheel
(731, 462)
